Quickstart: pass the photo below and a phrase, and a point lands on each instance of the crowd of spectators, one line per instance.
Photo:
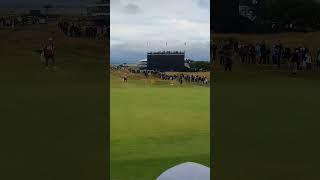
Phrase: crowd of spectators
(10, 22)
(81, 29)
(297, 58)
(180, 77)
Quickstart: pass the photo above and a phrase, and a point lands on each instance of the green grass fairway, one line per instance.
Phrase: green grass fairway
(53, 124)
(266, 125)
(155, 126)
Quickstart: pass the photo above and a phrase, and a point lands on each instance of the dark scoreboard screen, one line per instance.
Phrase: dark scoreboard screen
(166, 61)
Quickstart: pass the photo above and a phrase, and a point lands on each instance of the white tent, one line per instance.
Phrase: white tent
(186, 171)
(143, 60)
(142, 63)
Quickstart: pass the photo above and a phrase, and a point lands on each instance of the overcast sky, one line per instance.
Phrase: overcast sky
(138, 26)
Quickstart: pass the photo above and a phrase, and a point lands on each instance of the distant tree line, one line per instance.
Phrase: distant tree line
(272, 16)
(199, 65)
(302, 15)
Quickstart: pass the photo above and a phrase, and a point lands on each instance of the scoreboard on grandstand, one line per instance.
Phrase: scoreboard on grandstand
(166, 61)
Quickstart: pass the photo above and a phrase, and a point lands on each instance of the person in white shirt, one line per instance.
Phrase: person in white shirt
(308, 61)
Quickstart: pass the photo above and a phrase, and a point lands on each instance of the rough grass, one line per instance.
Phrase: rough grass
(155, 126)
(266, 125)
(53, 122)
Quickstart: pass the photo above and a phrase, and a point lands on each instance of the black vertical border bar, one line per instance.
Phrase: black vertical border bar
(108, 98)
(212, 136)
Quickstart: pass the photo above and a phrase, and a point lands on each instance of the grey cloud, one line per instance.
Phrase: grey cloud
(130, 35)
(205, 4)
(132, 9)
(115, 3)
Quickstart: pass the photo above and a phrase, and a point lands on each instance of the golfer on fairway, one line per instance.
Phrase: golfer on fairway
(125, 78)
(48, 52)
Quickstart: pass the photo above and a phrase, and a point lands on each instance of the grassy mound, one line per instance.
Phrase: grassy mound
(156, 125)
(53, 121)
(266, 124)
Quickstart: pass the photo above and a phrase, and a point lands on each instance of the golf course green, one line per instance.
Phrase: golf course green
(266, 124)
(53, 122)
(155, 126)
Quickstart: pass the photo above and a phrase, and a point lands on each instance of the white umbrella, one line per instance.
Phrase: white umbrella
(186, 171)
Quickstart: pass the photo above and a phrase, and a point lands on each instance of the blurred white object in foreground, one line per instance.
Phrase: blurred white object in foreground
(186, 171)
